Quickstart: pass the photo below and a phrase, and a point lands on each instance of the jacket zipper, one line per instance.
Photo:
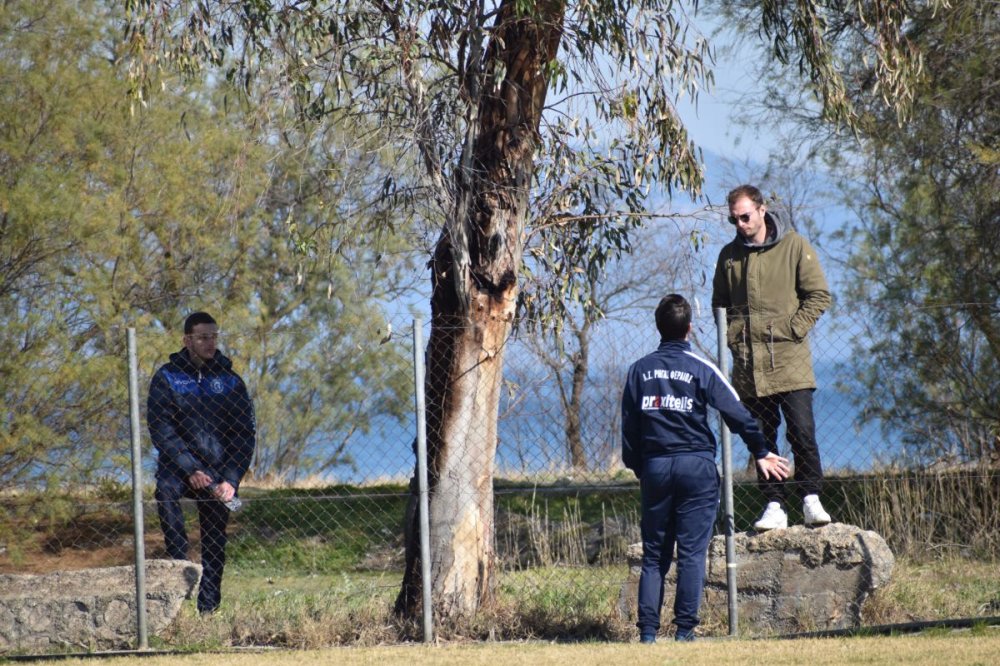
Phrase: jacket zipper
(746, 325)
(770, 343)
(201, 416)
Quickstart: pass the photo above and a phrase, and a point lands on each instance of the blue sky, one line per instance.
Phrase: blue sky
(711, 124)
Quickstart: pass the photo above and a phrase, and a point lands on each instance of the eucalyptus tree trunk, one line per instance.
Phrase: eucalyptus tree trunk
(475, 269)
(573, 404)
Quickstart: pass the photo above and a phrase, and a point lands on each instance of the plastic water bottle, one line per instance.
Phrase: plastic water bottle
(233, 504)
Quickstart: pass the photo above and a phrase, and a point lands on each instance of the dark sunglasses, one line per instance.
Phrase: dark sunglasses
(744, 218)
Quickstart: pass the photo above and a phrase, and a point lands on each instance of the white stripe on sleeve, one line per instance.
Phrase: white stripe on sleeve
(718, 373)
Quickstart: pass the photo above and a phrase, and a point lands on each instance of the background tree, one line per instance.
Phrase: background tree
(564, 336)
(464, 85)
(922, 277)
(110, 219)
(54, 82)
(926, 262)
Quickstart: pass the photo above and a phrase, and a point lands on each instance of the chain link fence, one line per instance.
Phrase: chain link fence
(318, 442)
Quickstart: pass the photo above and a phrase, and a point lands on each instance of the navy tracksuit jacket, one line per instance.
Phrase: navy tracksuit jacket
(668, 443)
(201, 419)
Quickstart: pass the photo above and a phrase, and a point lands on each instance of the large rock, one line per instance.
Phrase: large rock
(791, 580)
(90, 609)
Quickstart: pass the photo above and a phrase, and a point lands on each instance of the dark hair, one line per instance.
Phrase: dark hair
(196, 318)
(673, 317)
(748, 191)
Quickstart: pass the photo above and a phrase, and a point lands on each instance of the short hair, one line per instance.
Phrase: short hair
(748, 191)
(673, 317)
(196, 318)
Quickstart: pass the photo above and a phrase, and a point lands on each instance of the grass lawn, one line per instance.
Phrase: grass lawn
(311, 569)
(977, 646)
(551, 603)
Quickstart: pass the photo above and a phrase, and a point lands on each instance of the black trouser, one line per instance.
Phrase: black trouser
(797, 407)
(213, 516)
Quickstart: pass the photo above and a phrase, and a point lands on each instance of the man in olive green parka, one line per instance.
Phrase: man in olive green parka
(771, 284)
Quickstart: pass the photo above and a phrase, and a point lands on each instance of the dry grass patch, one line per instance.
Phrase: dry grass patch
(945, 588)
(964, 648)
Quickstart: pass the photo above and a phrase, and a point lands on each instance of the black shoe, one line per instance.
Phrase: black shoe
(684, 636)
(647, 639)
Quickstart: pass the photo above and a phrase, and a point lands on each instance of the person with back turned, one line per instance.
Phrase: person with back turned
(669, 445)
(201, 422)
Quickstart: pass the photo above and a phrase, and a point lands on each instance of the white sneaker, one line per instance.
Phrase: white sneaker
(812, 511)
(774, 518)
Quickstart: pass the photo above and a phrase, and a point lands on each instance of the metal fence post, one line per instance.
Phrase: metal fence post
(137, 513)
(425, 540)
(727, 482)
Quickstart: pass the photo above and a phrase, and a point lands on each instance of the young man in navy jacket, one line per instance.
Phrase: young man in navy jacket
(668, 443)
(202, 424)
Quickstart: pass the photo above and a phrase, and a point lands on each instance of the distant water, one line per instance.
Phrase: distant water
(532, 438)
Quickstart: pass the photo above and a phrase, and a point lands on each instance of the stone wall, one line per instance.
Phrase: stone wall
(91, 609)
(792, 580)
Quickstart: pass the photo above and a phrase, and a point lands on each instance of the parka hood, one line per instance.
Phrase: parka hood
(776, 230)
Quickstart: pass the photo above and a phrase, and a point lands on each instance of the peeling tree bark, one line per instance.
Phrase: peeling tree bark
(475, 269)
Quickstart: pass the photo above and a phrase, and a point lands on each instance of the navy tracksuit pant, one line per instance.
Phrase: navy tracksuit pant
(213, 516)
(680, 500)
